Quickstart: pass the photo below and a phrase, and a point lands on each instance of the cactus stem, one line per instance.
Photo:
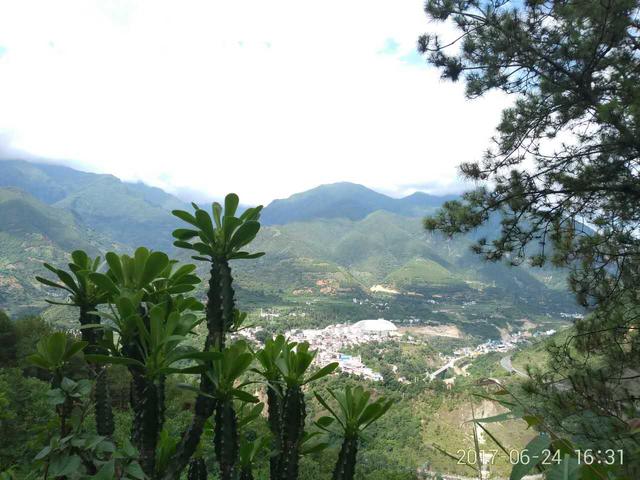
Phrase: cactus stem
(345, 468)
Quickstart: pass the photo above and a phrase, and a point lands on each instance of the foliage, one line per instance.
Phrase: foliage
(563, 175)
(566, 459)
(24, 416)
(86, 295)
(8, 338)
(354, 414)
(144, 327)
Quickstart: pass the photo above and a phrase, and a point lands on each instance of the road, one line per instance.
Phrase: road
(446, 366)
(505, 363)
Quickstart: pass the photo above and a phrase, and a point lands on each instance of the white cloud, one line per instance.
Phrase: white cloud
(262, 98)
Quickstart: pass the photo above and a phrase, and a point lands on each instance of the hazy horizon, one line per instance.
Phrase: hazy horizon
(196, 196)
(263, 100)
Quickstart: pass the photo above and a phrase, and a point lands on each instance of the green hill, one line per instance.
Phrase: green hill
(345, 240)
(131, 213)
(421, 271)
(331, 262)
(32, 232)
(346, 200)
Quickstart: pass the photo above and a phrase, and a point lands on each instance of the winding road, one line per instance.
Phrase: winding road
(505, 363)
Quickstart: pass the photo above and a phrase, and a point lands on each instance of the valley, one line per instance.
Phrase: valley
(335, 256)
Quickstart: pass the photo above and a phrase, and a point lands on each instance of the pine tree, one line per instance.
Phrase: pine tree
(563, 173)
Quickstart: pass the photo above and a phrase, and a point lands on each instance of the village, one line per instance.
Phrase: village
(332, 341)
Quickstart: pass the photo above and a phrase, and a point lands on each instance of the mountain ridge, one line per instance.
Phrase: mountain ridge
(316, 254)
(346, 200)
(32, 232)
(130, 213)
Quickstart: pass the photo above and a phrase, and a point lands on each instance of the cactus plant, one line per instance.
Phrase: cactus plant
(217, 241)
(52, 354)
(225, 370)
(151, 318)
(354, 414)
(84, 294)
(293, 364)
(267, 357)
(218, 245)
(197, 469)
(251, 445)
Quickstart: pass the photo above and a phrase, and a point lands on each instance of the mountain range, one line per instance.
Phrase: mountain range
(346, 200)
(333, 245)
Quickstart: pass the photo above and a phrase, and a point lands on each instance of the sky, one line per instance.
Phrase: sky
(265, 99)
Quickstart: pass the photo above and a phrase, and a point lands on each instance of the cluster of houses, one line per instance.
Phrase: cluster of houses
(331, 340)
(501, 345)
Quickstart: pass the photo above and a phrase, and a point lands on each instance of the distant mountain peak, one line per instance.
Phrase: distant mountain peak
(346, 200)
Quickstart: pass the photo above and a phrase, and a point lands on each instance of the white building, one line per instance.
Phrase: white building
(379, 327)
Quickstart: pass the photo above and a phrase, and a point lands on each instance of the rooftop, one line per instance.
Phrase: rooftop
(379, 325)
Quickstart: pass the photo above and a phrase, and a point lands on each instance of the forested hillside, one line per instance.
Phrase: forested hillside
(321, 250)
(130, 213)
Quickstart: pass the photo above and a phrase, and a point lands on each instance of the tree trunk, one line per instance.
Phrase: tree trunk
(294, 414)
(346, 465)
(226, 438)
(102, 396)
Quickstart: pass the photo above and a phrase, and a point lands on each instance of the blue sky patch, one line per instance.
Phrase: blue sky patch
(390, 47)
(413, 58)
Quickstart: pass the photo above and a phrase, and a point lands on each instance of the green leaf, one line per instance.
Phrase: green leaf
(323, 372)
(38, 361)
(56, 346)
(104, 283)
(324, 403)
(324, 422)
(229, 225)
(246, 255)
(534, 450)
(452, 456)
(317, 447)
(184, 233)
(106, 472)
(205, 224)
(68, 385)
(67, 280)
(244, 396)
(185, 216)
(113, 260)
(43, 453)
(251, 213)
(497, 418)
(73, 349)
(155, 264)
(245, 234)
(49, 283)
(56, 396)
(64, 304)
(231, 202)
(184, 271)
(531, 420)
(492, 437)
(567, 469)
(239, 365)
(216, 209)
(202, 248)
(80, 258)
(180, 289)
(135, 470)
(64, 465)
(113, 360)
